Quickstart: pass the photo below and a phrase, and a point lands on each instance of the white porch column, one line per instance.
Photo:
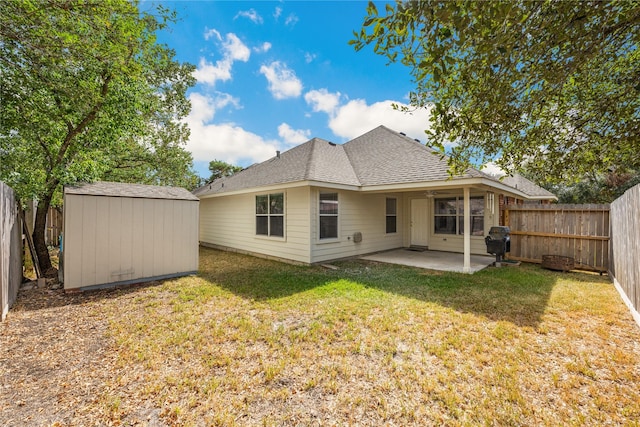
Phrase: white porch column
(467, 231)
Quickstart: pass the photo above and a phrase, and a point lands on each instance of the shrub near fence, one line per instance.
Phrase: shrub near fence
(580, 232)
(10, 249)
(625, 248)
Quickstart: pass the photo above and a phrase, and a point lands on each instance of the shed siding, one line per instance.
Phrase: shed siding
(230, 221)
(357, 212)
(119, 239)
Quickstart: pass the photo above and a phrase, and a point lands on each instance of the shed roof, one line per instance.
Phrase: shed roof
(120, 189)
(379, 157)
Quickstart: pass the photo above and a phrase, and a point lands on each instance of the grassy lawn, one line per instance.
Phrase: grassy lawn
(256, 342)
(252, 341)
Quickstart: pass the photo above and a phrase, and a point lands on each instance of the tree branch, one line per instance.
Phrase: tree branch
(90, 117)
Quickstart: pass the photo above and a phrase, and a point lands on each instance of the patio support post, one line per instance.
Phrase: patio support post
(467, 231)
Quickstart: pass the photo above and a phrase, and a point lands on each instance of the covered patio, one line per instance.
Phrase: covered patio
(433, 260)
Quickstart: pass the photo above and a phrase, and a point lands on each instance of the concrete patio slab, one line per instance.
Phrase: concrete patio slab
(433, 260)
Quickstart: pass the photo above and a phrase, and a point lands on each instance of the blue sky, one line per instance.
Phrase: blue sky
(274, 74)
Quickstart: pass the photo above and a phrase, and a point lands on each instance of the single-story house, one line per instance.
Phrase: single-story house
(322, 201)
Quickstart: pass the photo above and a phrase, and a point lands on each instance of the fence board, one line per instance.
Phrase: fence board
(10, 249)
(577, 231)
(625, 247)
(54, 226)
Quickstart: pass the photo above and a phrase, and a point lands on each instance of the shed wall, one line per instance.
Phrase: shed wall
(110, 240)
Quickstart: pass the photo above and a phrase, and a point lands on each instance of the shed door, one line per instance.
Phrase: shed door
(419, 222)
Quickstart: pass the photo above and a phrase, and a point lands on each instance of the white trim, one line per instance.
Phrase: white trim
(282, 186)
(627, 301)
(399, 187)
(337, 217)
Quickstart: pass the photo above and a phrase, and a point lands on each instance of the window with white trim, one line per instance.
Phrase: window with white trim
(328, 215)
(449, 215)
(270, 215)
(392, 215)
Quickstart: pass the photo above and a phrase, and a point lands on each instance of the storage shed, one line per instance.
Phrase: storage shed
(117, 234)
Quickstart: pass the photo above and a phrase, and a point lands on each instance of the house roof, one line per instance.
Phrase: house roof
(119, 189)
(521, 183)
(383, 156)
(379, 157)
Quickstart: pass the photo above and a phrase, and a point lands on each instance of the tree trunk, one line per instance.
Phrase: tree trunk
(39, 229)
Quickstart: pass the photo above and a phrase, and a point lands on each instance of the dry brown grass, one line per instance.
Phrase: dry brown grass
(254, 342)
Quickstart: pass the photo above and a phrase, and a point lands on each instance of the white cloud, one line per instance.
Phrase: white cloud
(492, 169)
(292, 20)
(309, 57)
(224, 141)
(277, 12)
(292, 136)
(323, 100)
(208, 33)
(250, 14)
(357, 117)
(233, 49)
(283, 82)
(264, 47)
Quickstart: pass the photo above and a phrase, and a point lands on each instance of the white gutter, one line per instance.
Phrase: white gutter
(455, 183)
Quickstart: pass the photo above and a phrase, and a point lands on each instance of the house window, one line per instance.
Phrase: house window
(392, 215)
(328, 215)
(270, 215)
(449, 215)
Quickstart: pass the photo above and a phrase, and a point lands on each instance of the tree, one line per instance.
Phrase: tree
(219, 169)
(551, 84)
(591, 188)
(87, 93)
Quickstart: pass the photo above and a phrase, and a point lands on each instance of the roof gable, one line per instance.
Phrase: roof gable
(315, 160)
(379, 157)
(382, 156)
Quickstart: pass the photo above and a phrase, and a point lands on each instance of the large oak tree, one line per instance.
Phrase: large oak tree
(88, 93)
(554, 85)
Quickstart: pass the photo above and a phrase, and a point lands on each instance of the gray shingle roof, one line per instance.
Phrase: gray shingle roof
(521, 183)
(383, 156)
(315, 160)
(119, 189)
(379, 157)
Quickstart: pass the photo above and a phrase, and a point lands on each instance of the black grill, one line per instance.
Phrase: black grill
(498, 242)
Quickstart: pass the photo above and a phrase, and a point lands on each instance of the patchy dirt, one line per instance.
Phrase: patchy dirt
(251, 342)
(55, 359)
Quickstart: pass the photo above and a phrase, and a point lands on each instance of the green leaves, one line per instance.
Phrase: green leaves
(550, 84)
(80, 78)
(221, 169)
(88, 94)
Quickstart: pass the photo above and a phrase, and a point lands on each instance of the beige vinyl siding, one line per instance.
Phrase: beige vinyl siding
(455, 243)
(357, 212)
(230, 222)
(110, 240)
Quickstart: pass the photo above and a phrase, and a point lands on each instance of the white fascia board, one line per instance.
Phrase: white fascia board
(410, 186)
(447, 184)
(282, 186)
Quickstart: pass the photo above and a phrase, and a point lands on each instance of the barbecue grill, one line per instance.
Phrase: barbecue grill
(498, 242)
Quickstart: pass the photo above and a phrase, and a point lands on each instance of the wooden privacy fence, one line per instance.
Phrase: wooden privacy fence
(625, 247)
(10, 249)
(54, 226)
(577, 231)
